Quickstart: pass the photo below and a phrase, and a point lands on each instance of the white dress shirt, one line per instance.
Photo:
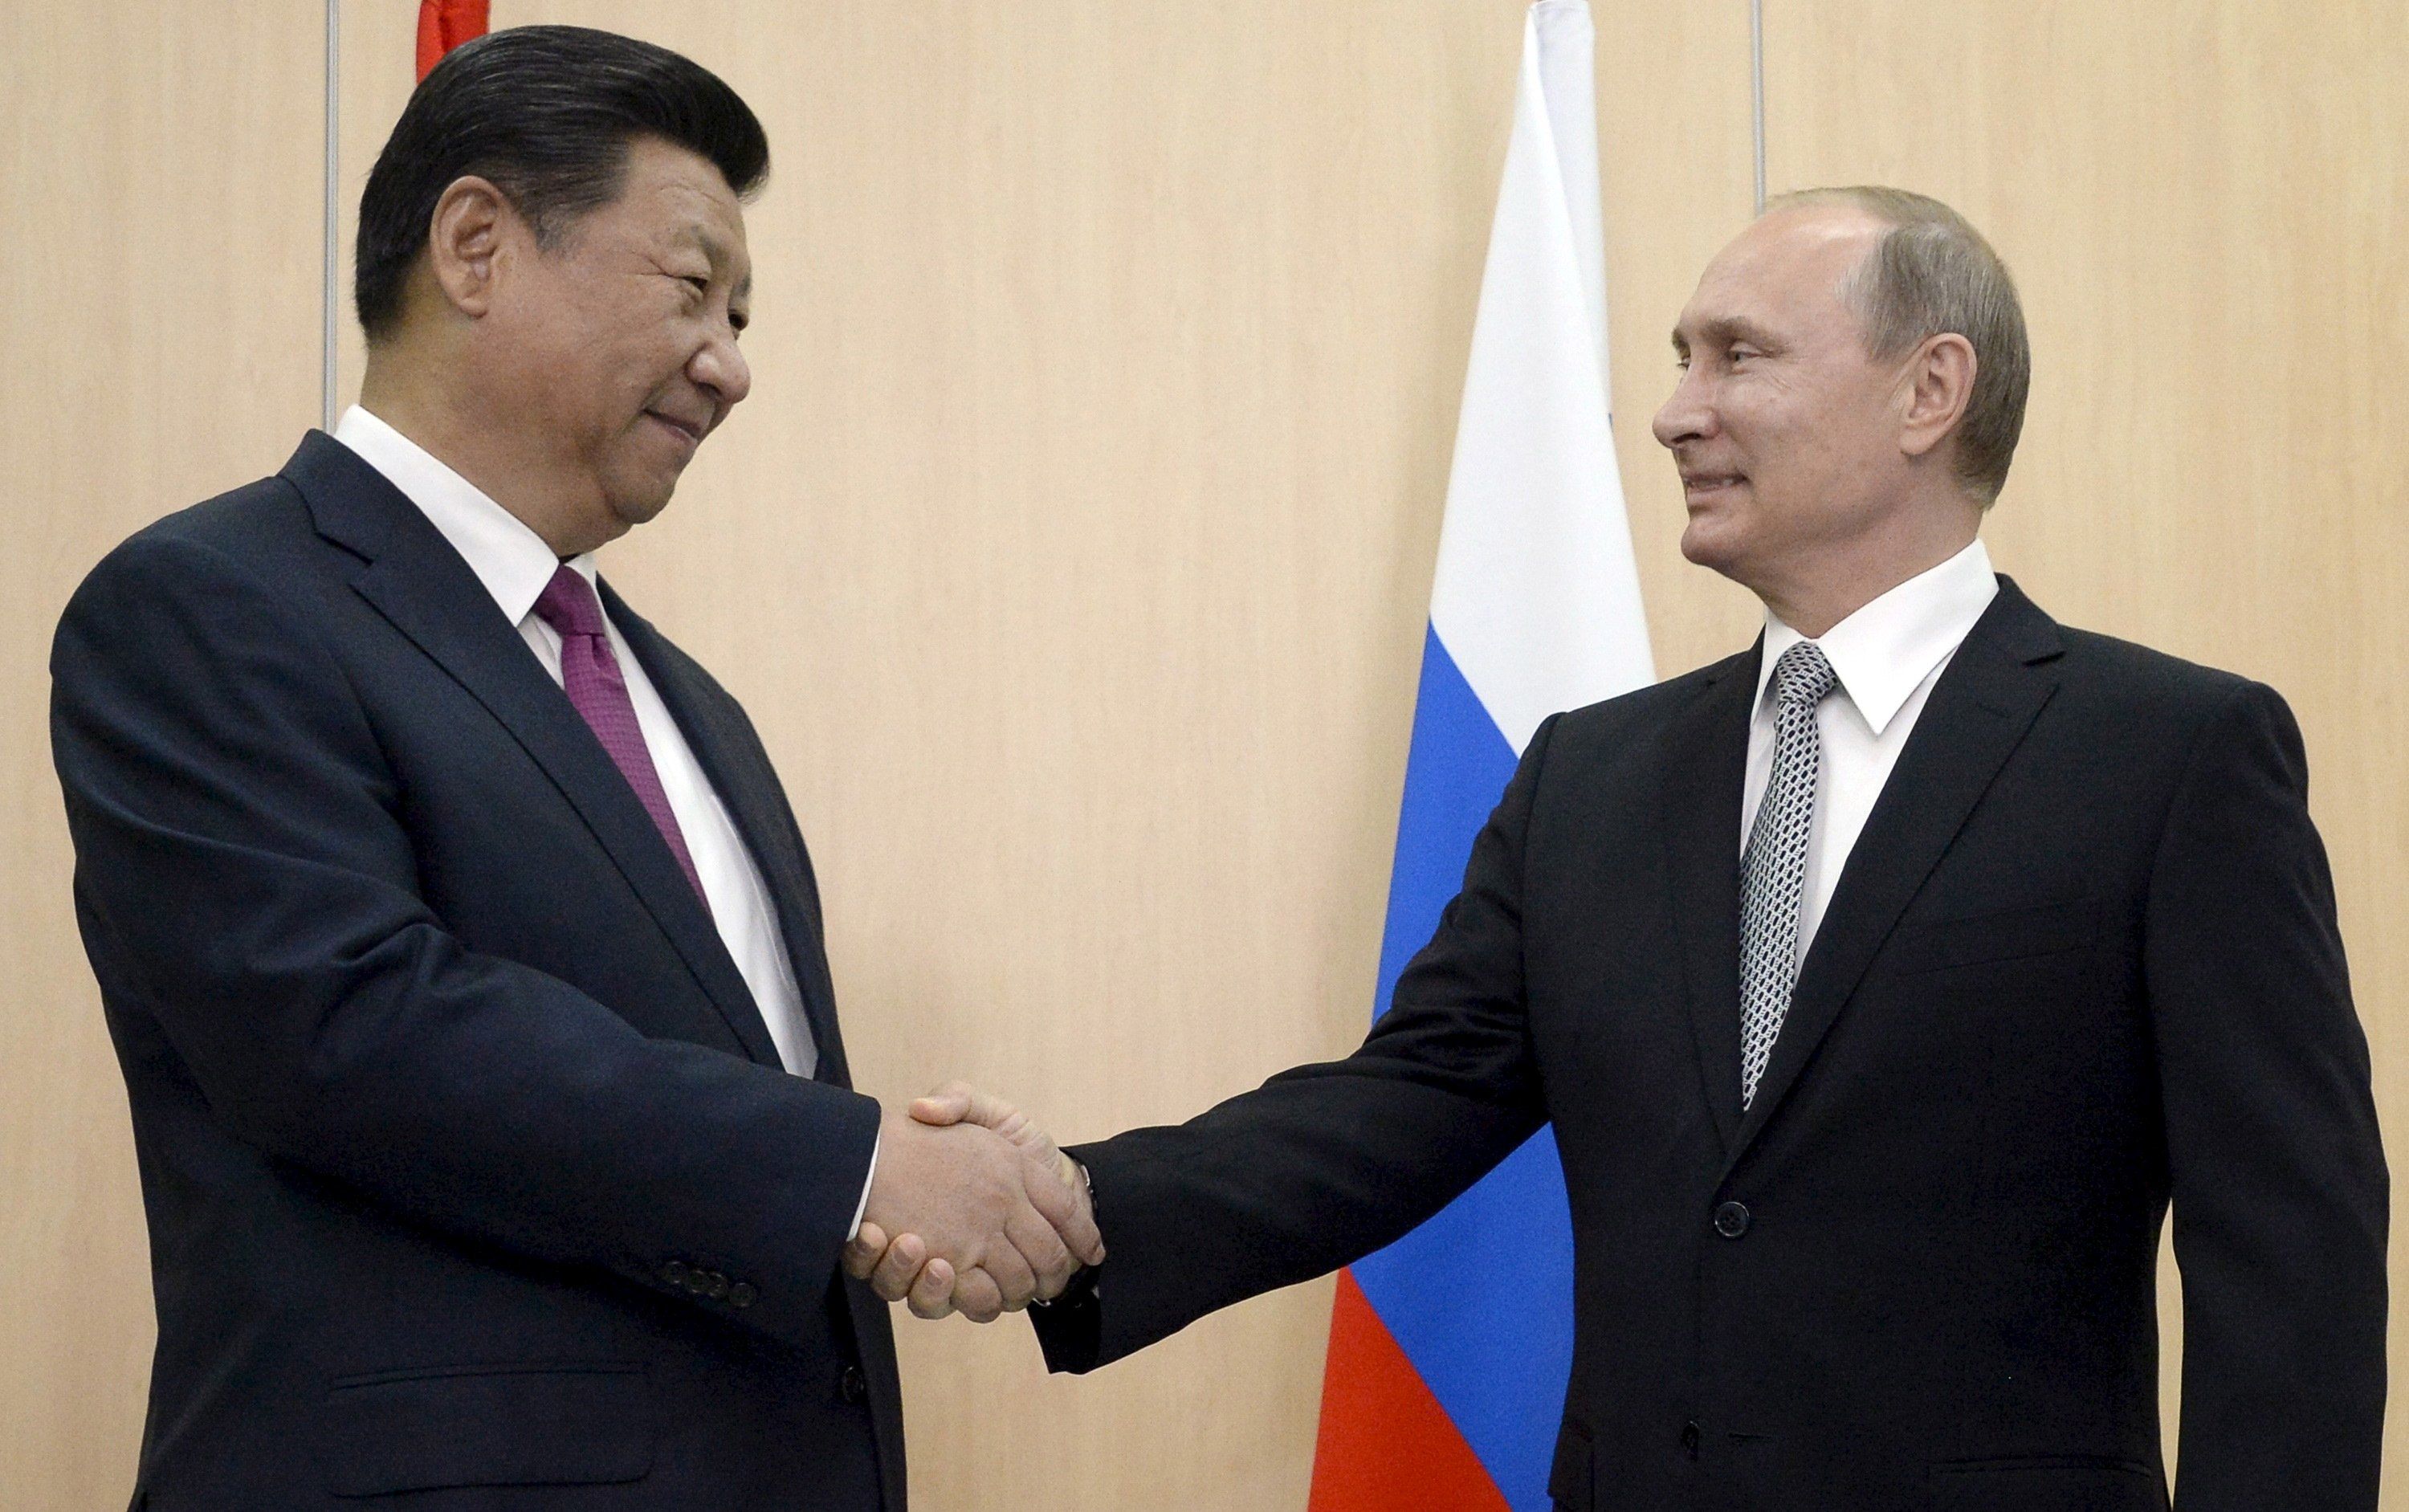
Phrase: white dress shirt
(1887, 656)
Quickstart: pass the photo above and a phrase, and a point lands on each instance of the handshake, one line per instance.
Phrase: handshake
(971, 1209)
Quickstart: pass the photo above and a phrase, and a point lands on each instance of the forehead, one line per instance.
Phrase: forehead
(1787, 269)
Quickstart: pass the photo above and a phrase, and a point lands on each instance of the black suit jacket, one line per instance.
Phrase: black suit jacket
(2083, 960)
(470, 1169)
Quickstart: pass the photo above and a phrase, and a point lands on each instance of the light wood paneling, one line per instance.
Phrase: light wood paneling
(1678, 160)
(2204, 205)
(1073, 551)
(159, 197)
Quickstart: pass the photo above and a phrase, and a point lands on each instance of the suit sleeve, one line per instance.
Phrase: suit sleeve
(243, 874)
(1325, 1163)
(2277, 1171)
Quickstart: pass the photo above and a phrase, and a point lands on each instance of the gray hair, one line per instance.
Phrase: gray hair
(1934, 274)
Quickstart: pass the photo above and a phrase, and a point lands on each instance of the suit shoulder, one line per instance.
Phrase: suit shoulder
(243, 546)
(244, 527)
(2149, 682)
(1649, 707)
(2192, 713)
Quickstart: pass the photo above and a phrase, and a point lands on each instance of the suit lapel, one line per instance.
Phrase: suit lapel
(1977, 715)
(416, 580)
(1706, 759)
(762, 819)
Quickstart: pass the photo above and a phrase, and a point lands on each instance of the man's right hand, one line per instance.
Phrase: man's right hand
(987, 1224)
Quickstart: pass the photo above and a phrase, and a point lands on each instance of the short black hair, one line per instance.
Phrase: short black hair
(547, 113)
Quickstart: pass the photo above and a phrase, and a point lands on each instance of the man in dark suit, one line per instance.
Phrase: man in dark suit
(1884, 983)
(458, 941)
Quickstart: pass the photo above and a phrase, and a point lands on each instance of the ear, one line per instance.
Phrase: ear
(468, 241)
(1939, 382)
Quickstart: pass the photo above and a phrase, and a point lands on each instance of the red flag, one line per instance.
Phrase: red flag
(444, 24)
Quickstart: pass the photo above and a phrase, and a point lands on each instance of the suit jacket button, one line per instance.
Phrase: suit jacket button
(1731, 1220)
(742, 1295)
(714, 1286)
(676, 1274)
(852, 1386)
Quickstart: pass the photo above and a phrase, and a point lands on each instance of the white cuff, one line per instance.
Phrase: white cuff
(863, 1206)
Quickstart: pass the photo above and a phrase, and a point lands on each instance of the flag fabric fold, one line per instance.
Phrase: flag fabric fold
(444, 24)
(1449, 1349)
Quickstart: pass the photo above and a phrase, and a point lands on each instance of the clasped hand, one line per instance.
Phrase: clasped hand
(973, 1209)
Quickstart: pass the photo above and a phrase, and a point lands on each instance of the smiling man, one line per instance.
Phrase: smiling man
(1885, 984)
(460, 948)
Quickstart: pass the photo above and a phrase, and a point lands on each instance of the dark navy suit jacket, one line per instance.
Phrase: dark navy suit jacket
(2081, 961)
(472, 1176)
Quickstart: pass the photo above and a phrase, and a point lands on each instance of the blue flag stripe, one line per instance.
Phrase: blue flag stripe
(1481, 1297)
(1456, 769)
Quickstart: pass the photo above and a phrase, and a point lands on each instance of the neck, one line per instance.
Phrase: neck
(457, 430)
(1826, 591)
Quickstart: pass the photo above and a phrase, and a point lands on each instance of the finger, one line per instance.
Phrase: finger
(932, 1294)
(1059, 1194)
(1016, 1280)
(977, 1298)
(862, 1252)
(899, 1267)
(1042, 1248)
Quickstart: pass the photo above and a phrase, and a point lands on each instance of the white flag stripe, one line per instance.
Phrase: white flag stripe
(1568, 86)
(1535, 596)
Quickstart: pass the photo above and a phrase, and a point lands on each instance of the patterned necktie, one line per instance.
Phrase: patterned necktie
(1773, 870)
(590, 674)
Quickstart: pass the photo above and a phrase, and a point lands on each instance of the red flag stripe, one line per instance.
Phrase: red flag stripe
(1386, 1444)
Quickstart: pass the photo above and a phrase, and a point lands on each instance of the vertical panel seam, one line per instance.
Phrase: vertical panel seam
(327, 294)
(1756, 92)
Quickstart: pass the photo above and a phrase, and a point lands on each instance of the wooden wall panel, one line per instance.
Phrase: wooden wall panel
(1679, 164)
(1073, 550)
(159, 214)
(2204, 205)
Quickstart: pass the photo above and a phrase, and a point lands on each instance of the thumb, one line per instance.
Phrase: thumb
(960, 1102)
(1059, 1191)
(948, 1105)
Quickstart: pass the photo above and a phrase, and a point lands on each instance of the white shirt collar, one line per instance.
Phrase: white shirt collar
(508, 558)
(1885, 650)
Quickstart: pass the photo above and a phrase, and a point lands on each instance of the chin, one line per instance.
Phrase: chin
(640, 503)
(1706, 543)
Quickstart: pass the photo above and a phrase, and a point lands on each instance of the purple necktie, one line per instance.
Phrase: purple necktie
(590, 673)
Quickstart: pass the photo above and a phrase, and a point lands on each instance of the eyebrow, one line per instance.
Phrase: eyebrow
(1725, 328)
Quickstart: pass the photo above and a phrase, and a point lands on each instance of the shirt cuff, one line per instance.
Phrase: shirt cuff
(863, 1206)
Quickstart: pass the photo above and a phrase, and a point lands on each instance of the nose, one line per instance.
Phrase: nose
(1687, 415)
(719, 367)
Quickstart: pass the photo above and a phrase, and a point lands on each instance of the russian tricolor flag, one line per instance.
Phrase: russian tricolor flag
(1450, 1350)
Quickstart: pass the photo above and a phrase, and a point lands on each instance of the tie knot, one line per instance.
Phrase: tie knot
(568, 604)
(1803, 675)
